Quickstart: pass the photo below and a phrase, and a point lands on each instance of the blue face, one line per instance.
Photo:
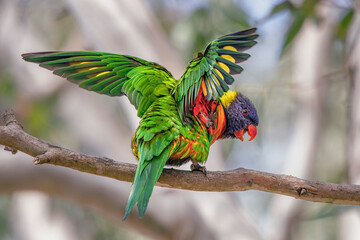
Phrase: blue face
(240, 115)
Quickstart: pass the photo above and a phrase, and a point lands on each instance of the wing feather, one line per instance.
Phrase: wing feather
(213, 69)
(110, 74)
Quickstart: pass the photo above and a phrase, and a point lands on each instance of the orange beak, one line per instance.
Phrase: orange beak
(251, 130)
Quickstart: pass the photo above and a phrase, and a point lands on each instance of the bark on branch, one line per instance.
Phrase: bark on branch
(14, 138)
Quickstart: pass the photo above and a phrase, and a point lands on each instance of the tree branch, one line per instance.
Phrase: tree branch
(14, 137)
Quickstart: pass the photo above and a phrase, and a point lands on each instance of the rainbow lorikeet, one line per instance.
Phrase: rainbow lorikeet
(180, 119)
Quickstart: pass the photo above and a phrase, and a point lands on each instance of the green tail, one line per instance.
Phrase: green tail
(147, 174)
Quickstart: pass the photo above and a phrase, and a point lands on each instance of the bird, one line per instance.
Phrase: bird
(180, 119)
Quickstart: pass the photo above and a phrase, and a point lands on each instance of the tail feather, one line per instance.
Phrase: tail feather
(137, 186)
(146, 176)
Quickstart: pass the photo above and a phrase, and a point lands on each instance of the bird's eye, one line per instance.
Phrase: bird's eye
(245, 112)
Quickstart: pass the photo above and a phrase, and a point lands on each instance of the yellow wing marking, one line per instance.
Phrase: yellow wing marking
(215, 79)
(231, 48)
(85, 69)
(223, 66)
(76, 63)
(228, 97)
(99, 74)
(102, 73)
(228, 57)
(203, 87)
(218, 73)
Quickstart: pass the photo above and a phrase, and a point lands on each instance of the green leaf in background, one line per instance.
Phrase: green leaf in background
(293, 30)
(343, 25)
(329, 210)
(299, 13)
(8, 90)
(283, 6)
(5, 224)
(41, 117)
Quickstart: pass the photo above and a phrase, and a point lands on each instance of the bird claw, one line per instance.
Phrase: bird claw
(12, 150)
(198, 167)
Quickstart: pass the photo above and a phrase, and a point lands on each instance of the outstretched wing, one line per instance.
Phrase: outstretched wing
(111, 74)
(212, 70)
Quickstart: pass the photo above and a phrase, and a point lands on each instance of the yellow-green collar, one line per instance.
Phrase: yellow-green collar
(228, 98)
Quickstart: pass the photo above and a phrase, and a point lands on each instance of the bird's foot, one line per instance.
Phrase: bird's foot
(198, 167)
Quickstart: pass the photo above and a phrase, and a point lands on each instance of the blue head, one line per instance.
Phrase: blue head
(241, 115)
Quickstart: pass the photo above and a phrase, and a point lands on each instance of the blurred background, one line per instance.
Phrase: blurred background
(303, 76)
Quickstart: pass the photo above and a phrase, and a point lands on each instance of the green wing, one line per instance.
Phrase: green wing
(212, 70)
(111, 74)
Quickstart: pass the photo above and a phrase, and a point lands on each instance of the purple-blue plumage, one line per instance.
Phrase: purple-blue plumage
(240, 114)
